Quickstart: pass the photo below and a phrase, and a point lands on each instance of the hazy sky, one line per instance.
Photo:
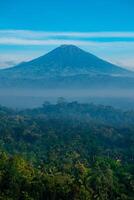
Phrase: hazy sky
(30, 28)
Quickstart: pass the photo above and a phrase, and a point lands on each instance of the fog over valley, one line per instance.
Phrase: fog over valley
(23, 98)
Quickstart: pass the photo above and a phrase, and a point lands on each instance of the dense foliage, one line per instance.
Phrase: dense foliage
(67, 151)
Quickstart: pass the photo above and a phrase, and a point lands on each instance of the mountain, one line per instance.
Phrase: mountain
(66, 60)
(64, 66)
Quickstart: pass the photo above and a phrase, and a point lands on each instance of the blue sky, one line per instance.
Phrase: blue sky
(31, 28)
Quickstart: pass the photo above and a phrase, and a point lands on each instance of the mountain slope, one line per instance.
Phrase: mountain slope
(67, 67)
(66, 60)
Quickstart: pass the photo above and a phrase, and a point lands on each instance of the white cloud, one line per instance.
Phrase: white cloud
(21, 41)
(32, 42)
(29, 37)
(40, 34)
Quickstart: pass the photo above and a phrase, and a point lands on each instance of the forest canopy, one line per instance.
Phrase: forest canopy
(67, 151)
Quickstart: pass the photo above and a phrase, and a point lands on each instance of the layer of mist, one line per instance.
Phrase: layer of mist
(123, 99)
